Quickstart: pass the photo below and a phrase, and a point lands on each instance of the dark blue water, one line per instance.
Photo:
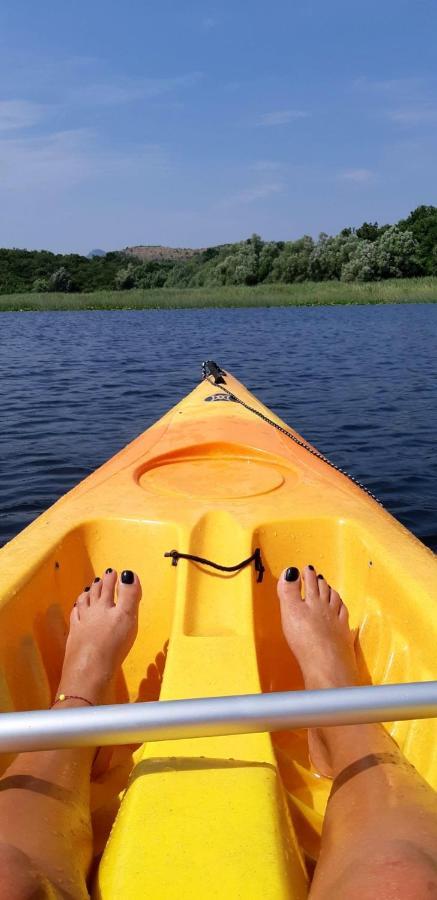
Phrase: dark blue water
(359, 382)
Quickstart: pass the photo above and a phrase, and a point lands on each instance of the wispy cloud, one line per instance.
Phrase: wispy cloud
(390, 85)
(209, 22)
(281, 117)
(359, 176)
(252, 194)
(265, 165)
(405, 101)
(63, 159)
(414, 114)
(17, 114)
(108, 93)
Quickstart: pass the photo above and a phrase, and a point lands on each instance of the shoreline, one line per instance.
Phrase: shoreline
(324, 293)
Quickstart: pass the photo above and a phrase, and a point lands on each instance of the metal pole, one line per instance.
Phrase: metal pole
(210, 716)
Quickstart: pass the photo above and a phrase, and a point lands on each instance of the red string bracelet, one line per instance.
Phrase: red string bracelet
(61, 697)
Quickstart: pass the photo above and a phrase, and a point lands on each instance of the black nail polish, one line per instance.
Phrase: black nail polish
(311, 567)
(87, 588)
(96, 580)
(292, 574)
(127, 577)
(108, 571)
(320, 576)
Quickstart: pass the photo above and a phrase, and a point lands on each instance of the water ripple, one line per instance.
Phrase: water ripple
(359, 382)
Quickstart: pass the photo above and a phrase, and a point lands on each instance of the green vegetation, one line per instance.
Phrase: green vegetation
(406, 290)
(366, 255)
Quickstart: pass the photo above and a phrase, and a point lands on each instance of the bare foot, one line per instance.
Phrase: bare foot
(102, 632)
(317, 631)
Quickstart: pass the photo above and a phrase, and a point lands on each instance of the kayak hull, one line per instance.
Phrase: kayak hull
(227, 816)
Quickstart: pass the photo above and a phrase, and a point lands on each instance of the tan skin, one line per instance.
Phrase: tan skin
(45, 827)
(380, 833)
(379, 838)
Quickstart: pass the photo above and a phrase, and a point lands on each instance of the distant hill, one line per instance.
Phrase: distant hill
(156, 252)
(93, 253)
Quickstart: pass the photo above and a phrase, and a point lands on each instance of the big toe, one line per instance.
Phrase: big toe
(129, 592)
(289, 584)
(289, 590)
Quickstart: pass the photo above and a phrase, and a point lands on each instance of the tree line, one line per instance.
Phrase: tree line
(369, 253)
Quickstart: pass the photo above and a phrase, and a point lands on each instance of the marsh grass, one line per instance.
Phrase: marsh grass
(327, 293)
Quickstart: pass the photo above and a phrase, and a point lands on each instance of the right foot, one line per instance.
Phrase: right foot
(317, 631)
(101, 634)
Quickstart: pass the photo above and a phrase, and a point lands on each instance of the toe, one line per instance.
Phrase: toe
(334, 601)
(128, 592)
(83, 600)
(324, 590)
(109, 580)
(343, 614)
(289, 593)
(96, 589)
(311, 584)
(289, 585)
(74, 615)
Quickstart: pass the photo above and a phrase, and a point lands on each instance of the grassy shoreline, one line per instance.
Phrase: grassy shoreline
(326, 293)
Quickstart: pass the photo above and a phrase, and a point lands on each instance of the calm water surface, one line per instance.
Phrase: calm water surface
(359, 382)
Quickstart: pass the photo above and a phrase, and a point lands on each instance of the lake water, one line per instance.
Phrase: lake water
(358, 382)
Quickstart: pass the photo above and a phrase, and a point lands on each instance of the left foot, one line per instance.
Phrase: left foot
(102, 632)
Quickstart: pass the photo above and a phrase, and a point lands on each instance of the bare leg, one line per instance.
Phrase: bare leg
(45, 828)
(379, 838)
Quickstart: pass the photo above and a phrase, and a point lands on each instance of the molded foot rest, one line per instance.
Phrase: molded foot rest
(197, 828)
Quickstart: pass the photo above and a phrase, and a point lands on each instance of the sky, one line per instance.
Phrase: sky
(190, 124)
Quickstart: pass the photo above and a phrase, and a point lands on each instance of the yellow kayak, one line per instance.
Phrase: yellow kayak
(219, 477)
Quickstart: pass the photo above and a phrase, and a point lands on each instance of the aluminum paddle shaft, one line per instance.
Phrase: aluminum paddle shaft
(208, 717)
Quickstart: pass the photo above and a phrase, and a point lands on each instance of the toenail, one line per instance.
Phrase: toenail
(96, 580)
(292, 574)
(320, 576)
(127, 577)
(86, 588)
(311, 567)
(108, 571)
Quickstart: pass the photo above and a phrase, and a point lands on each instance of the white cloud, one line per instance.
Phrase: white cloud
(265, 165)
(359, 176)
(405, 101)
(66, 158)
(128, 90)
(281, 117)
(252, 194)
(414, 115)
(209, 22)
(16, 114)
(390, 85)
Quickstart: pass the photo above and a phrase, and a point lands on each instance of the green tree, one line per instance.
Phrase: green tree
(397, 253)
(363, 264)
(61, 281)
(293, 263)
(329, 256)
(40, 285)
(422, 223)
(392, 255)
(125, 278)
(368, 231)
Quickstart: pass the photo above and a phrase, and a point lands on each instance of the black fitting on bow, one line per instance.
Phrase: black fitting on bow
(255, 558)
(210, 368)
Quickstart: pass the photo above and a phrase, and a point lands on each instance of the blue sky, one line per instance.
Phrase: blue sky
(190, 124)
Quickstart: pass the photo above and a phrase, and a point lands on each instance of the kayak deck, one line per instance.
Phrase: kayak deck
(212, 815)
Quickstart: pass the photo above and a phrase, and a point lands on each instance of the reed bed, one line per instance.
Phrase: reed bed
(327, 293)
